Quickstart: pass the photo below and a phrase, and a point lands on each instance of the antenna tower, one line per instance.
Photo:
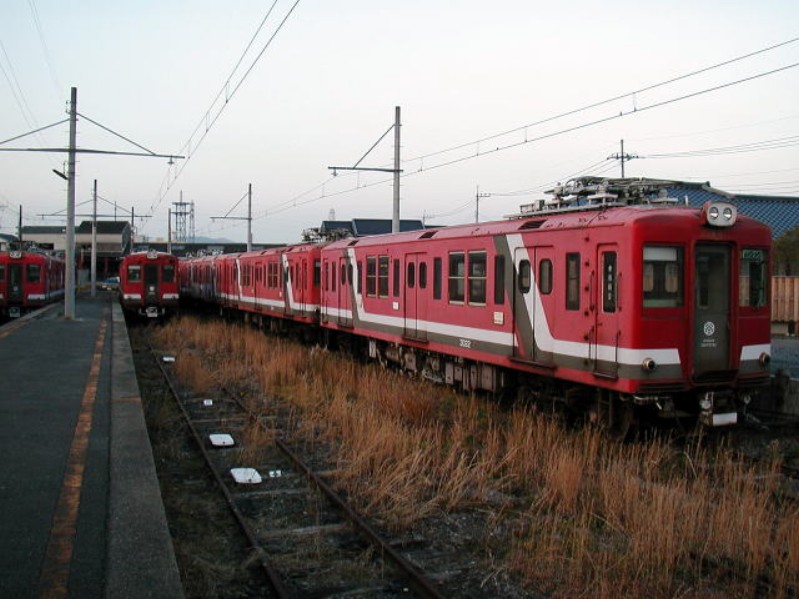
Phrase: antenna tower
(184, 220)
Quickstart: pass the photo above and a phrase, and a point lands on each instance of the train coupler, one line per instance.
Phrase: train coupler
(717, 409)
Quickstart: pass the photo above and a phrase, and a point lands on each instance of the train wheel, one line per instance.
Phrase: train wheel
(614, 414)
(624, 419)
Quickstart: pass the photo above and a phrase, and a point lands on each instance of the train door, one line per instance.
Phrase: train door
(712, 309)
(415, 314)
(605, 349)
(532, 300)
(150, 283)
(346, 290)
(15, 286)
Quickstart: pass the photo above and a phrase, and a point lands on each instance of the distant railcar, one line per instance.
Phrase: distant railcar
(29, 280)
(277, 287)
(148, 283)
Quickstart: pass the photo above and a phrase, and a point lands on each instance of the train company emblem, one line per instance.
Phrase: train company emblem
(709, 329)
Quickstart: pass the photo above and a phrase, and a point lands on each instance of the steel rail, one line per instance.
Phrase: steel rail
(274, 579)
(415, 578)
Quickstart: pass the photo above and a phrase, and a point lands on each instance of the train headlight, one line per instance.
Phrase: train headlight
(719, 214)
(764, 360)
(706, 403)
(648, 365)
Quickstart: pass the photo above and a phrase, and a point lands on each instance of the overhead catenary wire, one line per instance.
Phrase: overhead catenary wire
(20, 98)
(756, 146)
(528, 140)
(168, 182)
(57, 87)
(606, 101)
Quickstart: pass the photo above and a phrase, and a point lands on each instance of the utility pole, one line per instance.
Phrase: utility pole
(395, 215)
(622, 157)
(477, 197)
(19, 228)
(169, 233)
(69, 287)
(248, 218)
(71, 150)
(94, 242)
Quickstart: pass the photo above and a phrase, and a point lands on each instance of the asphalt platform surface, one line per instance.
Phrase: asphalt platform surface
(81, 513)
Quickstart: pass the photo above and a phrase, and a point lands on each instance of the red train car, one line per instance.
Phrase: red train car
(29, 280)
(277, 286)
(604, 301)
(148, 283)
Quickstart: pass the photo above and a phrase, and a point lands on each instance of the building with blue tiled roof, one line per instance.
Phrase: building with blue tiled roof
(781, 213)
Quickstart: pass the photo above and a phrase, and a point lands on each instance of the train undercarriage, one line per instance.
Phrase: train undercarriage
(619, 413)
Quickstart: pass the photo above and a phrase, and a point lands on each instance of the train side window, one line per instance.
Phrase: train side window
(343, 275)
(317, 273)
(2, 272)
(477, 277)
(457, 276)
(753, 288)
(396, 278)
(573, 281)
(411, 275)
(333, 275)
(371, 276)
(437, 278)
(134, 273)
(545, 277)
(382, 276)
(168, 273)
(609, 282)
(34, 273)
(359, 276)
(422, 275)
(663, 276)
(499, 280)
(349, 274)
(524, 281)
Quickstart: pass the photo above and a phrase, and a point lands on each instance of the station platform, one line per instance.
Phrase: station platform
(81, 513)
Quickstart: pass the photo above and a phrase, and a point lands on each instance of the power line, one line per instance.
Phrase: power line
(51, 69)
(19, 97)
(209, 122)
(631, 94)
(756, 146)
(621, 114)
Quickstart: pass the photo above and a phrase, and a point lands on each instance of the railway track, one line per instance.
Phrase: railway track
(306, 538)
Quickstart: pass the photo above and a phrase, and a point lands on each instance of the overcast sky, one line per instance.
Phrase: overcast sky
(325, 88)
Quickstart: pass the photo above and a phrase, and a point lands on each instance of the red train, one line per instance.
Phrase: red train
(608, 299)
(148, 283)
(29, 280)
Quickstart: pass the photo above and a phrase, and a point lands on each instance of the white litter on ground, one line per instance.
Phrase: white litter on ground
(246, 476)
(221, 440)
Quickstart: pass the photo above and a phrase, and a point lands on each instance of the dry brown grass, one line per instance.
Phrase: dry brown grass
(593, 518)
